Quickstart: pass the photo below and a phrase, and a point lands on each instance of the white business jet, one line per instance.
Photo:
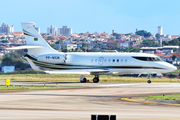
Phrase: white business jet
(97, 63)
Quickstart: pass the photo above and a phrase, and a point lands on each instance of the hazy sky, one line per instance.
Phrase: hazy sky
(123, 16)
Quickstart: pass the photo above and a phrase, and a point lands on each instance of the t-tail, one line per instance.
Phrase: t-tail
(35, 44)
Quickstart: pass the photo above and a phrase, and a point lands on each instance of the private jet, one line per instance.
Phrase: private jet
(41, 54)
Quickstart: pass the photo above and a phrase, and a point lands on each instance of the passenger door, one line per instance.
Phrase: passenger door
(100, 61)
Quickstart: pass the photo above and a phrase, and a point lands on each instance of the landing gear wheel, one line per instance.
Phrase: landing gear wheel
(84, 80)
(149, 81)
(95, 80)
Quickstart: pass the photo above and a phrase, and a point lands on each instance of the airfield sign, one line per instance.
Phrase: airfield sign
(7, 82)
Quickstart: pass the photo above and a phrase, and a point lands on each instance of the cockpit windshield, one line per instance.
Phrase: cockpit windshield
(148, 58)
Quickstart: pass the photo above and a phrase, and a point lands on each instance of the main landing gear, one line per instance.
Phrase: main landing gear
(84, 80)
(149, 77)
(96, 79)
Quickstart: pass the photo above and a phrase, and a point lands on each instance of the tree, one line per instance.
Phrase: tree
(113, 44)
(165, 43)
(174, 42)
(64, 49)
(7, 61)
(53, 46)
(158, 36)
(4, 41)
(149, 43)
(173, 57)
(135, 49)
(117, 36)
(143, 33)
(2, 38)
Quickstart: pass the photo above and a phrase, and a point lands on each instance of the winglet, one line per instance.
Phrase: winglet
(34, 67)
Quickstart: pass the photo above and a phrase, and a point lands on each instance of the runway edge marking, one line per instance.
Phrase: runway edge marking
(126, 99)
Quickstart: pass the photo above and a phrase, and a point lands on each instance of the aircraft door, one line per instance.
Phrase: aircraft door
(100, 60)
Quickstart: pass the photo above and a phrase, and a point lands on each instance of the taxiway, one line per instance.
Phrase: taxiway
(90, 98)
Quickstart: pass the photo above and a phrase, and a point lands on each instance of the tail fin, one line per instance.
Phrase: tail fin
(33, 38)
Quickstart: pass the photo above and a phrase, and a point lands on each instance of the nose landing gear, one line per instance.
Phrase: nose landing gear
(149, 77)
(83, 79)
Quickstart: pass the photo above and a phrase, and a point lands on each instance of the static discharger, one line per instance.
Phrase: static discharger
(7, 82)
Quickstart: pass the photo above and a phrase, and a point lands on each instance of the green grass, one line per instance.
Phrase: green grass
(2, 88)
(161, 97)
(75, 78)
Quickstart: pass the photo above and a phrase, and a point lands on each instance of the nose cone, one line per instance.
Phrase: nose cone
(168, 67)
(173, 68)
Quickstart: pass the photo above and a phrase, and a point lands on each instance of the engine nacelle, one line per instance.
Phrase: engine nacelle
(52, 58)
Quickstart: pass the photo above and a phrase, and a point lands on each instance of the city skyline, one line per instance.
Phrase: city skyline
(102, 15)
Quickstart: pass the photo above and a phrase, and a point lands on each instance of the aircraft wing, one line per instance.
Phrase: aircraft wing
(84, 72)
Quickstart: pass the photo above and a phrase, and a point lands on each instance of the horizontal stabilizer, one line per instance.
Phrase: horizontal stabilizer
(24, 47)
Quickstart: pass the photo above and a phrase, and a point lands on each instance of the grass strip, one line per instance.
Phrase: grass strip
(75, 78)
(33, 87)
(161, 97)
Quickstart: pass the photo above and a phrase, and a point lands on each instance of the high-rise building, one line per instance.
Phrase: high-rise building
(37, 29)
(65, 30)
(52, 30)
(5, 28)
(160, 30)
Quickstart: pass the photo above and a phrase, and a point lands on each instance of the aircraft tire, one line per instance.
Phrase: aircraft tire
(84, 80)
(149, 81)
(95, 80)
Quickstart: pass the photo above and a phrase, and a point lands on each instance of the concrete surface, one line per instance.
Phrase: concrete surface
(93, 98)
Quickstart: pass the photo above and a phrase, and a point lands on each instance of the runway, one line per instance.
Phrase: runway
(90, 98)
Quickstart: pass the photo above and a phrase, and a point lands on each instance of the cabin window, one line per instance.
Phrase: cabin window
(91, 60)
(113, 60)
(109, 60)
(121, 60)
(117, 60)
(105, 60)
(125, 60)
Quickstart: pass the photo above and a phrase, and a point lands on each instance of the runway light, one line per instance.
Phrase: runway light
(56, 84)
(44, 85)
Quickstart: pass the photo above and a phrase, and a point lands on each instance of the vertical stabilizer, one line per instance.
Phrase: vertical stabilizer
(33, 38)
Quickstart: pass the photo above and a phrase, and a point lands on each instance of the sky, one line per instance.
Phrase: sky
(123, 16)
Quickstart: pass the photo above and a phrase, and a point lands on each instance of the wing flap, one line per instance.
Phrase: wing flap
(81, 72)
